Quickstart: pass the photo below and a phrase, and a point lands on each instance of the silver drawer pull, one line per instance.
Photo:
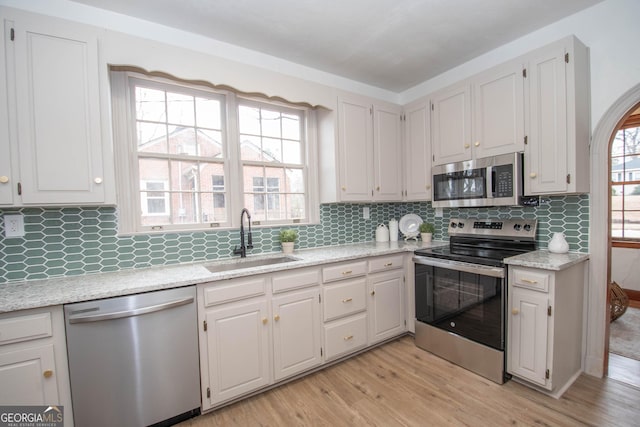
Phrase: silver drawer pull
(389, 264)
(532, 282)
(347, 300)
(347, 272)
(348, 337)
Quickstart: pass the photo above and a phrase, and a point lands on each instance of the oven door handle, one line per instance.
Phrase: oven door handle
(482, 270)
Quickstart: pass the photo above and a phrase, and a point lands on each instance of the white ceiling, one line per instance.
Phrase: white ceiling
(390, 44)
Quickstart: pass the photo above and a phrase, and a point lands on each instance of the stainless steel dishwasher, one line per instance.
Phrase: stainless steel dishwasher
(133, 360)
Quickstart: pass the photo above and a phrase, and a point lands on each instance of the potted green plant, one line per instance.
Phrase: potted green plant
(287, 239)
(426, 231)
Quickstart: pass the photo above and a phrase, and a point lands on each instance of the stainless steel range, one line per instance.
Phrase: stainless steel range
(461, 292)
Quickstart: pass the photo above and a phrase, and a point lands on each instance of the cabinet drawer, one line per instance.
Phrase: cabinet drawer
(345, 336)
(344, 271)
(295, 280)
(385, 263)
(344, 298)
(536, 280)
(24, 328)
(234, 290)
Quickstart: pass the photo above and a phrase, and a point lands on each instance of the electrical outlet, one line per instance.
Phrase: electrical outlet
(13, 226)
(365, 212)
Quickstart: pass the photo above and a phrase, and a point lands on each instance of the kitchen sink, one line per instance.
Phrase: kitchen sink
(242, 263)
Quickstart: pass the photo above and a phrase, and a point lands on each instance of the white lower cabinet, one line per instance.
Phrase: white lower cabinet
(237, 341)
(33, 360)
(259, 330)
(386, 305)
(297, 343)
(544, 346)
(256, 330)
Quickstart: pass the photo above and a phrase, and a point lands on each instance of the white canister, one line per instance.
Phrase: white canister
(382, 233)
(558, 244)
(393, 230)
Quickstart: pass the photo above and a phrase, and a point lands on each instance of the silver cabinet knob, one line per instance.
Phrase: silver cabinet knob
(467, 145)
(477, 143)
(533, 175)
(4, 179)
(97, 180)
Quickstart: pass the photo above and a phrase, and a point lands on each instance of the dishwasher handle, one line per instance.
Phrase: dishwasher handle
(130, 313)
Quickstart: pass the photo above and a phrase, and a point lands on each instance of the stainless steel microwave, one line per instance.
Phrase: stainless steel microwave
(490, 181)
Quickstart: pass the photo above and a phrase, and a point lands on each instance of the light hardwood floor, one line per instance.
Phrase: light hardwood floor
(399, 384)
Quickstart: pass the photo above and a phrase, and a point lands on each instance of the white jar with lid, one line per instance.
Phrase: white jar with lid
(382, 233)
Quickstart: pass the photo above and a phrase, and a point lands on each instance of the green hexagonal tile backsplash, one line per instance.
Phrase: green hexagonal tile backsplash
(74, 241)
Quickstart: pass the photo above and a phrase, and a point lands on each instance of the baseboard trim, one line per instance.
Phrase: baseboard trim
(632, 294)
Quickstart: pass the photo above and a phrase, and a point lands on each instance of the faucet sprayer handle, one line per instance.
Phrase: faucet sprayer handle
(249, 241)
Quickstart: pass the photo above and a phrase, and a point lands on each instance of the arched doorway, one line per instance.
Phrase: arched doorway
(599, 266)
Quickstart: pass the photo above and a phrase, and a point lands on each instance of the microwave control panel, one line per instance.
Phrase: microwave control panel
(504, 180)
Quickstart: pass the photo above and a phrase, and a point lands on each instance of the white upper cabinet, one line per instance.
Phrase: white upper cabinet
(6, 175)
(362, 146)
(480, 117)
(417, 151)
(557, 155)
(387, 155)
(53, 66)
(498, 113)
(451, 124)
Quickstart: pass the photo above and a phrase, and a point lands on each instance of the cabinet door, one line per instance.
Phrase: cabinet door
(417, 149)
(451, 124)
(6, 176)
(386, 309)
(387, 155)
(499, 111)
(356, 150)
(58, 112)
(27, 377)
(238, 349)
(296, 333)
(527, 345)
(546, 152)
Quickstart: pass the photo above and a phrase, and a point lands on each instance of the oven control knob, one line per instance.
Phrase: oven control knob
(517, 227)
(527, 227)
(454, 225)
(453, 324)
(461, 225)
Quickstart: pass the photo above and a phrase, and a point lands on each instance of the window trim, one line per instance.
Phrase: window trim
(125, 156)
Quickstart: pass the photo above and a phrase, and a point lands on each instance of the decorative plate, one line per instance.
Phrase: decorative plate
(409, 226)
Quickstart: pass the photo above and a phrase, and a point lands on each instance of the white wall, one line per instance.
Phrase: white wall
(610, 29)
(625, 268)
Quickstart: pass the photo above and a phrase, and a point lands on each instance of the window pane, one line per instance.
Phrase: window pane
(291, 126)
(249, 120)
(184, 207)
(296, 206)
(632, 224)
(291, 152)
(185, 176)
(210, 143)
(182, 140)
(256, 205)
(272, 150)
(270, 123)
(208, 113)
(617, 146)
(250, 148)
(153, 170)
(616, 224)
(152, 137)
(180, 109)
(295, 181)
(150, 104)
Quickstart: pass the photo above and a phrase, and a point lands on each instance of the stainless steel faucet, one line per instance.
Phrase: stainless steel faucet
(242, 250)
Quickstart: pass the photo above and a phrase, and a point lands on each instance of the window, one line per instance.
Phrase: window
(272, 149)
(193, 167)
(625, 183)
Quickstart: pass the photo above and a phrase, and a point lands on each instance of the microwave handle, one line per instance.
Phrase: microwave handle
(490, 184)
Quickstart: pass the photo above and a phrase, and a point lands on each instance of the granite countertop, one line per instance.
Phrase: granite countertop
(63, 290)
(547, 260)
